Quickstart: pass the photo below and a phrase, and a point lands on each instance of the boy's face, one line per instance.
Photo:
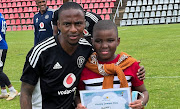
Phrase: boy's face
(71, 23)
(105, 43)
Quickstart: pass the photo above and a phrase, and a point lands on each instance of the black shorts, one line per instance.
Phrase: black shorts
(3, 53)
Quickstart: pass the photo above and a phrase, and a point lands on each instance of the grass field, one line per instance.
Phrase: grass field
(157, 46)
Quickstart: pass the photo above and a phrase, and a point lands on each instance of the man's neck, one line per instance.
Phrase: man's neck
(69, 49)
(42, 12)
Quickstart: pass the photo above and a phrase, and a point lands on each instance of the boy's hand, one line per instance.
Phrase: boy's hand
(141, 73)
(136, 104)
(80, 106)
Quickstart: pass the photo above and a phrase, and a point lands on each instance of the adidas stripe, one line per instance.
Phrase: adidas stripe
(39, 49)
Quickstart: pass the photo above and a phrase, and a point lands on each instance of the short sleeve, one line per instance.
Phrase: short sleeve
(30, 75)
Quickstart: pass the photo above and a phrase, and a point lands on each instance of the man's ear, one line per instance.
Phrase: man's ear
(58, 24)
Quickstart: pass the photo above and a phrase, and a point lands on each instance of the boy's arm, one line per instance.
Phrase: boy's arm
(26, 95)
(141, 101)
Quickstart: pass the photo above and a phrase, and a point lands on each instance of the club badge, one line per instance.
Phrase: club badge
(47, 16)
(80, 61)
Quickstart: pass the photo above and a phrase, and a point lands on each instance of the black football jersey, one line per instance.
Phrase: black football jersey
(54, 73)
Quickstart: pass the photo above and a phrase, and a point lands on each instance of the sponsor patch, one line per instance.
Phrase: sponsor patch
(41, 25)
(69, 80)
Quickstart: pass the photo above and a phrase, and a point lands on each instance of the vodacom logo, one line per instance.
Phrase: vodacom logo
(69, 80)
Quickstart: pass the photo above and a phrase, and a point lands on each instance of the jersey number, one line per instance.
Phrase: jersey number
(3, 29)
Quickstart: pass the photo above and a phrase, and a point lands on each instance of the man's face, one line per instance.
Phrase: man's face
(64, 1)
(41, 5)
(105, 43)
(71, 23)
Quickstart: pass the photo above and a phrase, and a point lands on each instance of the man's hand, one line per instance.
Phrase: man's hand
(80, 106)
(136, 104)
(141, 73)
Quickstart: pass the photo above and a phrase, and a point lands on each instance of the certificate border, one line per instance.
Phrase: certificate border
(128, 89)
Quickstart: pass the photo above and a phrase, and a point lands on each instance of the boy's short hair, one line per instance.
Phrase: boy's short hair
(69, 5)
(105, 25)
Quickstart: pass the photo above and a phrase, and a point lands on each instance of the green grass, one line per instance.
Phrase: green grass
(19, 43)
(157, 46)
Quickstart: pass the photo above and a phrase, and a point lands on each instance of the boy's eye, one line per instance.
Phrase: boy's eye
(110, 40)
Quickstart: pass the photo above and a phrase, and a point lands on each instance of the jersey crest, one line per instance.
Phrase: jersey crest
(80, 61)
(47, 16)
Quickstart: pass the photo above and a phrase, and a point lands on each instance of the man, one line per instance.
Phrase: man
(54, 66)
(4, 80)
(91, 19)
(42, 22)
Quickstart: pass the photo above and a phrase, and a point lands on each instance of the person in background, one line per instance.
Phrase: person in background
(4, 80)
(53, 67)
(91, 19)
(106, 62)
(42, 21)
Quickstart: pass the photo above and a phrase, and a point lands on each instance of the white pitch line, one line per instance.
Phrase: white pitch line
(163, 77)
(154, 77)
(15, 81)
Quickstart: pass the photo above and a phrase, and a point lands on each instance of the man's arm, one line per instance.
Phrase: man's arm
(26, 95)
(141, 73)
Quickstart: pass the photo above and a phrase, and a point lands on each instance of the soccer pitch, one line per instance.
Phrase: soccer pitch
(156, 46)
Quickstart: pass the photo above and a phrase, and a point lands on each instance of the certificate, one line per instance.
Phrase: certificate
(106, 98)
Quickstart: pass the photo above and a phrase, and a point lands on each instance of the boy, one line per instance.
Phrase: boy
(105, 41)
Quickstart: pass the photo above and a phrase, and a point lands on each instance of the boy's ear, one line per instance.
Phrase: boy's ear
(118, 40)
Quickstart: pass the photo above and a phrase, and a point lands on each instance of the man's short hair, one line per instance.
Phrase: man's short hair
(69, 5)
(105, 25)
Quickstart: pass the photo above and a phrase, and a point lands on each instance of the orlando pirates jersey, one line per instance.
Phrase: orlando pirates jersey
(54, 73)
(43, 27)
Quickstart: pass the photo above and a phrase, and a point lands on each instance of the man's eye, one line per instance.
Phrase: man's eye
(78, 23)
(66, 24)
(97, 41)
